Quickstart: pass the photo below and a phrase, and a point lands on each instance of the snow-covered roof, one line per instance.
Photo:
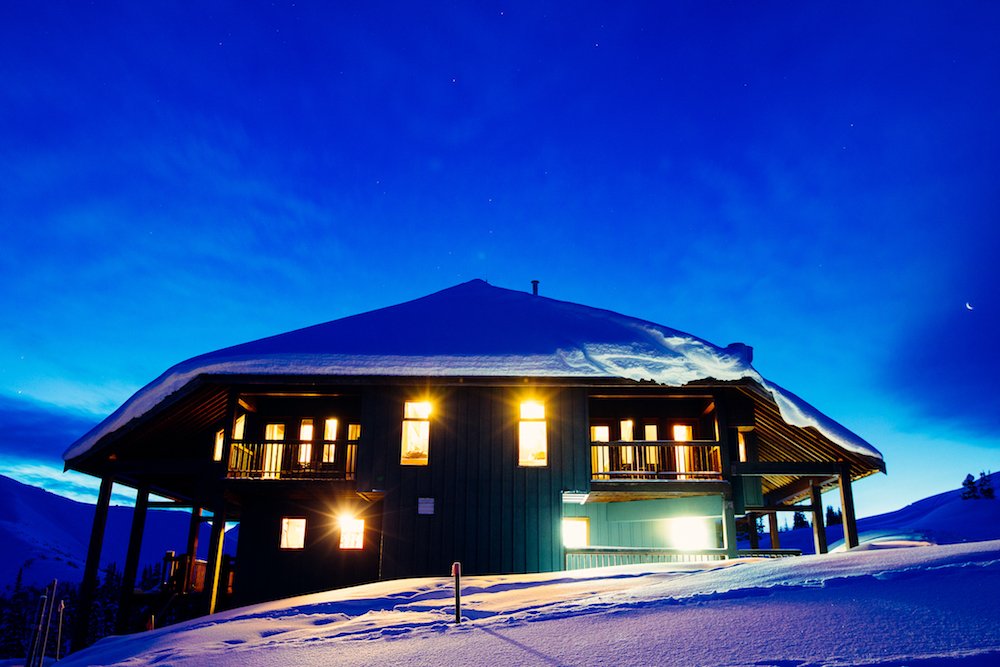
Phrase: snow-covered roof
(477, 330)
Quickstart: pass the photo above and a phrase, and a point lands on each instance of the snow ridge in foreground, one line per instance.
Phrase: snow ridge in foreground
(918, 606)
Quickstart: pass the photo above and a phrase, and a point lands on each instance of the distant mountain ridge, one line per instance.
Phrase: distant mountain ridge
(45, 535)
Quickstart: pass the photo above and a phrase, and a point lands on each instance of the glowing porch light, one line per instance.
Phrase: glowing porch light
(690, 533)
(352, 532)
(417, 410)
(532, 410)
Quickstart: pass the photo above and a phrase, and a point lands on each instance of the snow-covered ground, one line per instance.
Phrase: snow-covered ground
(932, 605)
(922, 590)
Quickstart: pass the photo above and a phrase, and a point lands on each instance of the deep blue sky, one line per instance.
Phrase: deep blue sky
(818, 180)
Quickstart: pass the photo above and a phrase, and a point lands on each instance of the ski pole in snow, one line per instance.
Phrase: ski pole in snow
(62, 607)
(48, 623)
(456, 571)
(37, 634)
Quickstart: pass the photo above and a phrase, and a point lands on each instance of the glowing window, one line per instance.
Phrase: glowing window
(239, 428)
(600, 433)
(273, 450)
(532, 441)
(690, 533)
(305, 438)
(353, 432)
(329, 434)
(627, 430)
(575, 532)
(293, 533)
(650, 432)
(682, 454)
(330, 428)
(741, 441)
(220, 441)
(352, 533)
(416, 433)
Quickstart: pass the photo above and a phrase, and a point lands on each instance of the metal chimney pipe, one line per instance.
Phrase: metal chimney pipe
(534, 287)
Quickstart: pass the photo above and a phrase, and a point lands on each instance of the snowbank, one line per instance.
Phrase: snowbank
(921, 606)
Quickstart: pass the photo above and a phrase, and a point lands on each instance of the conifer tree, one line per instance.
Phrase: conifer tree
(799, 521)
(969, 489)
(985, 486)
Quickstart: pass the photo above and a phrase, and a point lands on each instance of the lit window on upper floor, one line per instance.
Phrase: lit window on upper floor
(239, 428)
(305, 441)
(220, 442)
(600, 433)
(415, 446)
(532, 438)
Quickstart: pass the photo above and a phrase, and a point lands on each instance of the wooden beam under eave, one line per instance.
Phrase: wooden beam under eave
(787, 468)
(847, 508)
(214, 565)
(819, 530)
(795, 491)
(88, 585)
(132, 561)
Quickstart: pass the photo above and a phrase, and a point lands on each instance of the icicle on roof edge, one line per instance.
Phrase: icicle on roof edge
(477, 330)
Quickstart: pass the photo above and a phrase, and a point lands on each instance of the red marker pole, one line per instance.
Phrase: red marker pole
(456, 571)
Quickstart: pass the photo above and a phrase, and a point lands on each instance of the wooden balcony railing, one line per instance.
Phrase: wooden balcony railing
(283, 459)
(673, 460)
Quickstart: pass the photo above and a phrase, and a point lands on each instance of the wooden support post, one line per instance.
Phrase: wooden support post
(752, 530)
(132, 561)
(214, 566)
(187, 577)
(819, 530)
(89, 584)
(729, 527)
(847, 507)
(772, 525)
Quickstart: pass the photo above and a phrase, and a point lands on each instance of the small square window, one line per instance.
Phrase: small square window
(575, 532)
(293, 533)
(352, 533)
(425, 506)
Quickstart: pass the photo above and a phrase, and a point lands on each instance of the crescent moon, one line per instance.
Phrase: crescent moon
(968, 306)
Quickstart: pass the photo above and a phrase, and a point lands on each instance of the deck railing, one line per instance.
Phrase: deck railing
(656, 460)
(283, 459)
(588, 557)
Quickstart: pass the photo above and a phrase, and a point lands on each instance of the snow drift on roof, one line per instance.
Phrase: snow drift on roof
(475, 329)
